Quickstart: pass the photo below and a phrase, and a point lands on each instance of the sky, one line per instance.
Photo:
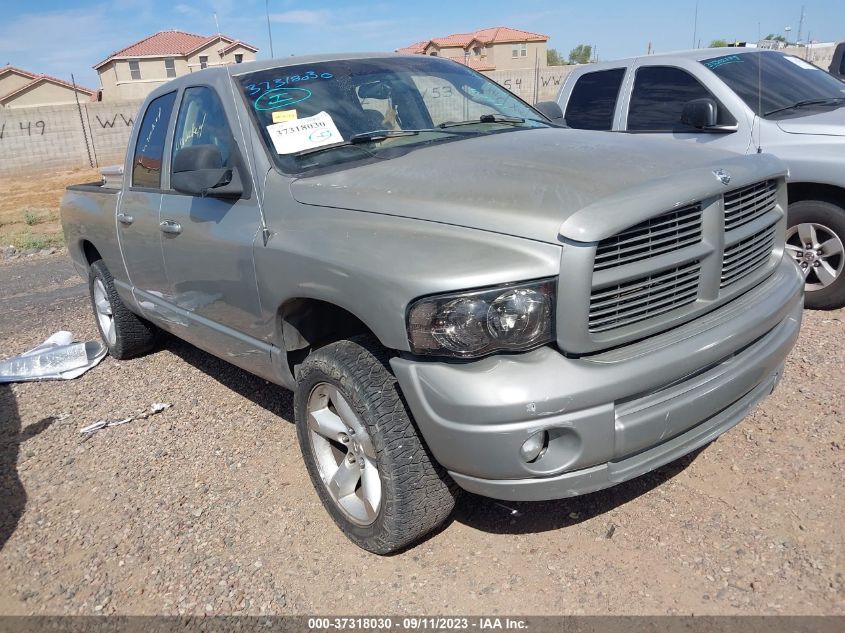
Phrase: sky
(60, 37)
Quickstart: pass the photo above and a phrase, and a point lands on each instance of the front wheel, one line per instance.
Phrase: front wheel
(371, 469)
(815, 239)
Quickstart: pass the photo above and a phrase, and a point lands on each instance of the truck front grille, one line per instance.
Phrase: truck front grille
(747, 256)
(678, 263)
(749, 203)
(661, 234)
(644, 297)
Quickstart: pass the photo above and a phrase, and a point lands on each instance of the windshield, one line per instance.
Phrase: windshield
(769, 81)
(323, 114)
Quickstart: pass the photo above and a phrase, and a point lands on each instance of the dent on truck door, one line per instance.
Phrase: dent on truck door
(208, 248)
(137, 215)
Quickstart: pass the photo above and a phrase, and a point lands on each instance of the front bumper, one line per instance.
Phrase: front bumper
(610, 416)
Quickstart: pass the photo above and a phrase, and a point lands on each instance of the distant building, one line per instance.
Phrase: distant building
(496, 48)
(22, 89)
(134, 71)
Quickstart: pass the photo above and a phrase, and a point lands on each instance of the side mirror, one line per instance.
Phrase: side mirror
(551, 110)
(700, 113)
(198, 170)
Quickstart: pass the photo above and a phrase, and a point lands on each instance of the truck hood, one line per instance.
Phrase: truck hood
(542, 184)
(828, 123)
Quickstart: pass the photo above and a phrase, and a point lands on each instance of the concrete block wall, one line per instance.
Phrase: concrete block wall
(522, 82)
(49, 138)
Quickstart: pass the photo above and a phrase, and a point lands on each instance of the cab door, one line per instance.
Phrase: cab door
(655, 100)
(138, 209)
(208, 242)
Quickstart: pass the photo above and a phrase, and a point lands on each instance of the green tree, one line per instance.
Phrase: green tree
(553, 57)
(776, 38)
(581, 54)
(719, 43)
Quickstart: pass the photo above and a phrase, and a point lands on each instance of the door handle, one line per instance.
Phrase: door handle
(125, 219)
(170, 227)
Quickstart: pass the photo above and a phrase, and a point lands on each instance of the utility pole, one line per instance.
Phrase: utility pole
(801, 24)
(269, 32)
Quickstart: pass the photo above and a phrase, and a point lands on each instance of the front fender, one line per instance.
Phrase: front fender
(374, 265)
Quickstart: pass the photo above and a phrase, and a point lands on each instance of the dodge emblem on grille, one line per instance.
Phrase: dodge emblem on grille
(723, 176)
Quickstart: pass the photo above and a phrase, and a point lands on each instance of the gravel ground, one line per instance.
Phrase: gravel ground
(207, 508)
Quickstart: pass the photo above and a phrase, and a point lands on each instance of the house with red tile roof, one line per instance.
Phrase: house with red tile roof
(495, 48)
(134, 71)
(21, 88)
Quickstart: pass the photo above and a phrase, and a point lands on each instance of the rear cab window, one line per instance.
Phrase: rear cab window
(658, 98)
(149, 147)
(592, 103)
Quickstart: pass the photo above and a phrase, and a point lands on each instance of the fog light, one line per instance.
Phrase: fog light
(534, 447)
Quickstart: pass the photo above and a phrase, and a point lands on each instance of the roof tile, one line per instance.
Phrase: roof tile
(170, 43)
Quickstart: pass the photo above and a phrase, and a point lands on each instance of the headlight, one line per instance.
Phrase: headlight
(478, 322)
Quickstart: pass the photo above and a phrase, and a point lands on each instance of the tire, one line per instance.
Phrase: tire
(125, 334)
(821, 224)
(352, 381)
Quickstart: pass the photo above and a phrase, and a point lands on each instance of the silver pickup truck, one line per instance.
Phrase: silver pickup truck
(460, 294)
(743, 100)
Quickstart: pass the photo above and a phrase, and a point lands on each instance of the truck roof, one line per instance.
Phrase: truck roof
(696, 54)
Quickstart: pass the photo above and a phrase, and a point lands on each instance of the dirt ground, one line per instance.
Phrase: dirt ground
(29, 207)
(207, 508)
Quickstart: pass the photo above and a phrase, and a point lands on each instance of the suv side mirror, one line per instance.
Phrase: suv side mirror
(551, 110)
(700, 113)
(198, 170)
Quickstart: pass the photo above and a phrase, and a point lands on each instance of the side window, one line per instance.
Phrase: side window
(149, 148)
(202, 121)
(593, 100)
(134, 69)
(842, 64)
(658, 98)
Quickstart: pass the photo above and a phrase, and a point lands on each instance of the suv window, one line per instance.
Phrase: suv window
(593, 100)
(202, 121)
(658, 99)
(149, 148)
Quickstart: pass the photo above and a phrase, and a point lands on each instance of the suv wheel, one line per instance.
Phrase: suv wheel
(370, 467)
(815, 239)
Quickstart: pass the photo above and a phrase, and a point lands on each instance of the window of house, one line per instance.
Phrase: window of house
(202, 121)
(170, 66)
(593, 100)
(433, 53)
(134, 69)
(658, 99)
(239, 58)
(203, 61)
(476, 51)
(519, 50)
(149, 148)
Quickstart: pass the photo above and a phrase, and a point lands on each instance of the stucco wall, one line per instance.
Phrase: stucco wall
(45, 93)
(12, 81)
(501, 55)
(116, 76)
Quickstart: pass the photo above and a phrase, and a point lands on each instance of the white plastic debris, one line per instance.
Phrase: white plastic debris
(57, 358)
(156, 407)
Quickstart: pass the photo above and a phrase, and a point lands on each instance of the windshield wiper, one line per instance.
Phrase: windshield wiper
(805, 103)
(485, 118)
(367, 137)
